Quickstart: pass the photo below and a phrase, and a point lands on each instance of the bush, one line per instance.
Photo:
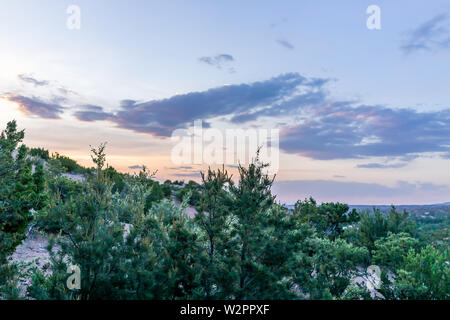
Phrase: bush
(166, 189)
(190, 190)
(21, 191)
(39, 152)
(68, 165)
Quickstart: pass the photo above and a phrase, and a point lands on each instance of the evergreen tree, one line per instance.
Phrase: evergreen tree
(214, 219)
(21, 192)
(329, 219)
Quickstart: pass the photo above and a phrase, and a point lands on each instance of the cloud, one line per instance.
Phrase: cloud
(312, 95)
(161, 117)
(135, 167)
(360, 192)
(286, 44)
(219, 61)
(316, 126)
(190, 174)
(381, 165)
(91, 113)
(30, 79)
(432, 35)
(342, 131)
(181, 168)
(34, 106)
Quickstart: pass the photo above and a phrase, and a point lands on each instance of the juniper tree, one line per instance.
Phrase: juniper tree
(252, 198)
(21, 191)
(92, 238)
(334, 263)
(157, 255)
(391, 251)
(179, 258)
(329, 219)
(214, 219)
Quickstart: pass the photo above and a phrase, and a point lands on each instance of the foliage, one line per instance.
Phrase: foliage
(131, 241)
(39, 152)
(392, 250)
(116, 178)
(333, 263)
(166, 189)
(156, 194)
(424, 276)
(22, 191)
(66, 164)
(329, 219)
(191, 191)
(377, 226)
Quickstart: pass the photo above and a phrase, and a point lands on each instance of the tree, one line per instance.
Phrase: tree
(329, 219)
(425, 276)
(398, 222)
(333, 263)
(92, 239)
(392, 250)
(166, 189)
(156, 195)
(376, 226)
(252, 198)
(21, 192)
(117, 179)
(156, 255)
(214, 219)
(191, 189)
(175, 271)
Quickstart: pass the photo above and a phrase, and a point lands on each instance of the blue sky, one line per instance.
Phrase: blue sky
(355, 106)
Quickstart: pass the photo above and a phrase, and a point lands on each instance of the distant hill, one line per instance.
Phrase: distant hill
(436, 210)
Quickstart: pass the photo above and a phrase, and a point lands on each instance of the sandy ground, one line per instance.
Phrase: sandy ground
(33, 250)
(33, 247)
(190, 211)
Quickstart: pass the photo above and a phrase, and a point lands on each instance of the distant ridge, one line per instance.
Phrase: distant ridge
(439, 209)
(443, 204)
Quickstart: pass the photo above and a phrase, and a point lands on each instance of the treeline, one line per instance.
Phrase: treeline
(131, 241)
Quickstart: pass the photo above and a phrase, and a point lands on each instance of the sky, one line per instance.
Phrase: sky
(363, 114)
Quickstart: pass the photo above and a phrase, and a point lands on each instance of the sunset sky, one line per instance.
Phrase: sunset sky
(364, 115)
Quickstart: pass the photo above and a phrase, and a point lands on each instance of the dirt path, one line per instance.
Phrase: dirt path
(32, 248)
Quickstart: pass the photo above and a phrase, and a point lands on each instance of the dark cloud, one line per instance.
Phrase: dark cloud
(136, 167)
(181, 168)
(185, 175)
(34, 106)
(381, 165)
(431, 35)
(321, 129)
(219, 61)
(92, 113)
(30, 79)
(355, 192)
(161, 117)
(311, 96)
(340, 130)
(286, 44)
